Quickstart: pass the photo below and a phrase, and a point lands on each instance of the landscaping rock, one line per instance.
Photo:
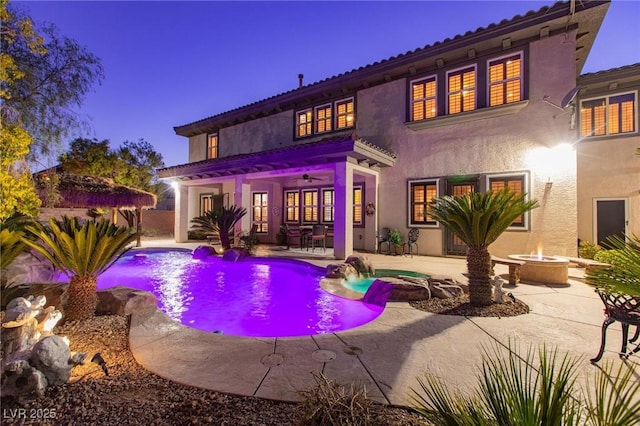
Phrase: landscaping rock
(28, 267)
(124, 301)
(344, 270)
(403, 290)
(51, 357)
(445, 288)
(362, 264)
(202, 252)
(235, 254)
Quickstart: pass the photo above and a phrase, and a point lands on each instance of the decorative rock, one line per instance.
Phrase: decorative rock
(202, 252)
(445, 288)
(235, 254)
(404, 290)
(20, 378)
(378, 293)
(29, 267)
(343, 270)
(124, 301)
(51, 356)
(362, 264)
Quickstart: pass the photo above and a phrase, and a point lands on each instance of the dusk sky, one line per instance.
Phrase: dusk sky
(172, 63)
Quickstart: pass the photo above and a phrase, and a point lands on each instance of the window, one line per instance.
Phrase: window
(260, 212)
(292, 206)
(310, 205)
(515, 183)
(303, 123)
(206, 203)
(357, 205)
(328, 196)
(323, 118)
(610, 115)
(421, 193)
(423, 99)
(461, 90)
(345, 116)
(505, 80)
(212, 146)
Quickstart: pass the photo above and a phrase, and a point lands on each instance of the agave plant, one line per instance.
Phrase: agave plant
(479, 219)
(624, 274)
(515, 389)
(220, 221)
(83, 251)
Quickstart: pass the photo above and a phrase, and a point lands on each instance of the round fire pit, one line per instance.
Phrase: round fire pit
(543, 269)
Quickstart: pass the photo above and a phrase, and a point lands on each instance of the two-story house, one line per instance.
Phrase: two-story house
(496, 107)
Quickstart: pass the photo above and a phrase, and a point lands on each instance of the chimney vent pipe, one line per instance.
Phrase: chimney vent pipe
(300, 78)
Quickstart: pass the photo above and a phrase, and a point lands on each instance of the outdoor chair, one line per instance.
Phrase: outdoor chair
(293, 233)
(412, 240)
(626, 310)
(384, 237)
(318, 233)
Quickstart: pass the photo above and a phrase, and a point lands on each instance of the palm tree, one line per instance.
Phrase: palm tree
(478, 219)
(221, 222)
(82, 251)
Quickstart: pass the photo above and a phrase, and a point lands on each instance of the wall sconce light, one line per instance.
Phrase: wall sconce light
(548, 184)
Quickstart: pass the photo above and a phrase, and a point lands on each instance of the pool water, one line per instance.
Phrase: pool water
(257, 297)
(361, 285)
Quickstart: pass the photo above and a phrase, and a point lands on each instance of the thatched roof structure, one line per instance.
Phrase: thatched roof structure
(91, 191)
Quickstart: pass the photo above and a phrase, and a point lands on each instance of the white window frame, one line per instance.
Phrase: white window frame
(335, 113)
(316, 119)
(526, 227)
(209, 136)
(522, 68)
(297, 118)
(411, 100)
(606, 120)
(447, 92)
(263, 220)
(410, 203)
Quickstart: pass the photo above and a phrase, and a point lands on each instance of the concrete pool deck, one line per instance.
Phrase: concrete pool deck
(387, 354)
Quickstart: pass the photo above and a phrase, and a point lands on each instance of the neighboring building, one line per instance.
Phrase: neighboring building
(492, 108)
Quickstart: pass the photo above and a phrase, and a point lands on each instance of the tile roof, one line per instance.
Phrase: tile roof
(318, 146)
(547, 13)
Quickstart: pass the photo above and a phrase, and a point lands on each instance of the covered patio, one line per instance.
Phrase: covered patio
(334, 180)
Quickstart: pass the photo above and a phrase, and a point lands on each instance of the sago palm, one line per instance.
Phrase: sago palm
(220, 221)
(624, 274)
(478, 219)
(83, 251)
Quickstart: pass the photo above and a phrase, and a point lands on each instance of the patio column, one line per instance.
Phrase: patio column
(181, 224)
(242, 197)
(343, 215)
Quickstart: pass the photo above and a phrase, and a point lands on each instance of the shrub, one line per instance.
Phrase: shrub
(624, 274)
(606, 256)
(513, 391)
(588, 250)
(330, 403)
(197, 234)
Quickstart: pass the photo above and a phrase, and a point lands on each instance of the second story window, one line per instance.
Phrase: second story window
(303, 123)
(505, 80)
(212, 146)
(423, 99)
(609, 115)
(461, 90)
(345, 114)
(323, 118)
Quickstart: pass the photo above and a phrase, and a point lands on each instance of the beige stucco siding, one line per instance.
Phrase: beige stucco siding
(516, 143)
(198, 148)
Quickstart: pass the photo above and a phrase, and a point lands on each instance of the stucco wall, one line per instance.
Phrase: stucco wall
(197, 148)
(257, 135)
(608, 168)
(520, 142)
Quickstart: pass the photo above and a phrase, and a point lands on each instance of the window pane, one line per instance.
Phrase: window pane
(423, 99)
(260, 209)
(357, 206)
(345, 116)
(505, 81)
(303, 123)
(212, 146)
(292, 206)
(514, 184)
(422, 193)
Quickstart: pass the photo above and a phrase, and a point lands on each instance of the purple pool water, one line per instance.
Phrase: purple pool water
(258, 297)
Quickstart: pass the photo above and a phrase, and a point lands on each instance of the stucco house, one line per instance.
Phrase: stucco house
(368, 149)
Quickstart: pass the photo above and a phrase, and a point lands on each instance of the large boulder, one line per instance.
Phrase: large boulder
(403, 290)
(202, 252)
(51, 357)
(235, 254)
(362, 264)
(445, 288)
(343, 270)
(124, 301)
(29, 267)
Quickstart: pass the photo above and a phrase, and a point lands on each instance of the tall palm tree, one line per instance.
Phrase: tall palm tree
(478, 219)
(220, 221)
(83, 251)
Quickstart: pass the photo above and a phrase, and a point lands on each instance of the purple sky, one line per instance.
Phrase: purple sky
(171, 63)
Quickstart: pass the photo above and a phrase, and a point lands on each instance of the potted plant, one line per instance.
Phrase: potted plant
(395, 237)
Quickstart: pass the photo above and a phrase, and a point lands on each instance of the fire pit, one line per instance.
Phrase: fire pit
(543, 269)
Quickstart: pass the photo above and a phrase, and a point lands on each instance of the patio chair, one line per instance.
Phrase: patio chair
(318, 233)
(384, 236)
(293, 233)
(412, 240)
(626, 310)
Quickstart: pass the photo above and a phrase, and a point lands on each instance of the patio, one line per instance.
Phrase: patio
(385, 355)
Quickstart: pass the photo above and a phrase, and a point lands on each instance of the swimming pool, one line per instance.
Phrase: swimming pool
(257, 297)
(361, 285)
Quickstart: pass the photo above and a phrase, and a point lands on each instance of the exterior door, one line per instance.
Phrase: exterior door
(460, 186)
(610, 219)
